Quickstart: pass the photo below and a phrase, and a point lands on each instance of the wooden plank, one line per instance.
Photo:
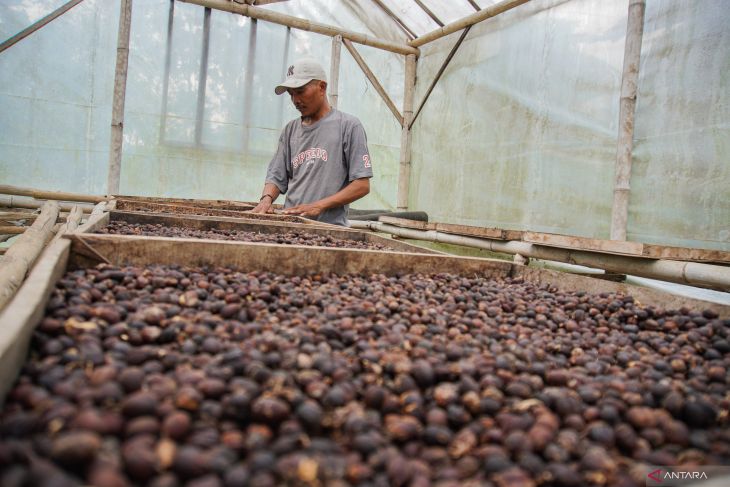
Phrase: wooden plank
(583, 243)
(405, 223)
(25, 311)
(203, 223)
(637, 249)
(94, 223)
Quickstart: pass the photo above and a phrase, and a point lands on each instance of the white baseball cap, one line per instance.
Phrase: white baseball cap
(300, 73)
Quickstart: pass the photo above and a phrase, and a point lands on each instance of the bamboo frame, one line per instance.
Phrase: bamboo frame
(72, 222)
(51, 195)
(303, 24)
(429, 13)
(404, 167)
(9, 201)
(629, 81)
(120, 89)
(39, 24)
(12, 230)
(21, 255)
(334, 81)
(398, 21)
(472, 19)
(373, 80)
(440, 72)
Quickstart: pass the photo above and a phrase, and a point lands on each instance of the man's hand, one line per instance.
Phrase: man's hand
(310, 210)
(264, 206)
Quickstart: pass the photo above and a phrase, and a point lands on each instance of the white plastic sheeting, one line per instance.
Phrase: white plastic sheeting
(519, 133)
(521, 130)
(56, 90)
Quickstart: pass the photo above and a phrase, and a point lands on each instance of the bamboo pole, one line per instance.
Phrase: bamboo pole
(72, 222)
(429, 13)
(334, 83)
(50, 195)
(99, 209)
(303, 24)
(12, 230)
(627, 109)
(396, 19)
(465, 22)
(373, 80)
(24, 251)
(120, 88)
(440, 72)
(10, 201)
(404, 168)
(37, 25)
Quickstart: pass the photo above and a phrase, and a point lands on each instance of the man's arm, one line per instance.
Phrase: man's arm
(353, 191)
(268, 196)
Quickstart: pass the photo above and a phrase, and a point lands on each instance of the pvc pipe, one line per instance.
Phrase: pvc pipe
(691, 273)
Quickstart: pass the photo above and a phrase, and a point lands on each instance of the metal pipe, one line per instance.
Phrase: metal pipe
(691, 273)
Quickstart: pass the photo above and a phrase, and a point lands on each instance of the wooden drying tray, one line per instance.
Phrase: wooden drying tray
(218, 204)
(225, 223)
(74, 251)
(631, 249)
(182, 209)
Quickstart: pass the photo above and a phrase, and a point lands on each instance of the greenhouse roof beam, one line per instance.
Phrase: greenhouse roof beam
(440, 72)
(373, 80)
(475, 5)
(303, 24)
(428, 12)
(40, 23)
(396, 19)
(471, 19)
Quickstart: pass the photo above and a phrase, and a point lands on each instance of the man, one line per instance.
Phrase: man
(322, 163)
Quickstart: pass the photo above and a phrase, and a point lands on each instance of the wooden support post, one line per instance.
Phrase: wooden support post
(120, 88)
(303, 24)
(334, 81)
(20, 257)
(50, 195)
(248, 86)
(37, 25)
(476, 17)
(373, 80)
(440, 72)
(404, 169)
(627, 109)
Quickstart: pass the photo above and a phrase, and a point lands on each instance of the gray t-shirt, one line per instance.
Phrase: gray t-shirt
(316, 161)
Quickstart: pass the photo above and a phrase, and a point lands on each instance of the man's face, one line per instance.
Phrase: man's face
(309, 98)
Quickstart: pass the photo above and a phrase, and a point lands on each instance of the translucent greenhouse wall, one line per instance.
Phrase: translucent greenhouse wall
(520, 132)
(56, 89)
